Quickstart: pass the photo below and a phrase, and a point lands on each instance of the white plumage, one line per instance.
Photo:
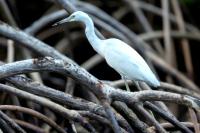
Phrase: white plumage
(120, 56)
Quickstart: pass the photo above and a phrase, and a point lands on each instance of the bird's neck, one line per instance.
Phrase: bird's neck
(93, 39)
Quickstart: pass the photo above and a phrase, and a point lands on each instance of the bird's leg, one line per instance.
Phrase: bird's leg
(126, 84)
(137, 85)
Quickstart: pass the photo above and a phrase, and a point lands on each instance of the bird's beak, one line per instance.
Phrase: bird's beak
(62, 21)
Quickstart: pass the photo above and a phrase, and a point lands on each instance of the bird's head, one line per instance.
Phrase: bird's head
(76, 16)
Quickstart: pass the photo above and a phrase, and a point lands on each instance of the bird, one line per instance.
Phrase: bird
(118, 55)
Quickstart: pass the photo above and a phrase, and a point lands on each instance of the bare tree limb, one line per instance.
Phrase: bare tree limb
(69, 114)
(10, 122)
(56, 65)
(33, 113)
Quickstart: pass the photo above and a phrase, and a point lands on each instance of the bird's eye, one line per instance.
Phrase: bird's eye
(73, 16)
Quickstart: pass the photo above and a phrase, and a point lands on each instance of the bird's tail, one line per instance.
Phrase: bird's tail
(154, 82)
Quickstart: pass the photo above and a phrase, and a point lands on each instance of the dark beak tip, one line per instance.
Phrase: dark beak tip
(55, 24)
(61, 22)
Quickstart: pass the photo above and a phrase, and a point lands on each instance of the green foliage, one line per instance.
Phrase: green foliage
(189, 2)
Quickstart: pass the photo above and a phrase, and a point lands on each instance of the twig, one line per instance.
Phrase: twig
(95, 117)
(158, 11)
(175, 34)
(93, 61)
(194, 120)
(33, 113)
(5, 127)
(167, 117)
(100, 119)
(178, 89)
(67, 5)
(169, 54)
(144, 22)
(69, 114)
(146, 114)
(11, 51)
(173, 72)
(29, 126)
(131, 116)
(7, 13)
(185, 43)
(45, 21)
(164, 86)
(11, 123)
(169, 125)
(66, 99)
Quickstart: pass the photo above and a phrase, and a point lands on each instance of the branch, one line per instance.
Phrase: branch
(11, 123)
(167, 117)
(132, 117)
(33, 113)
(5, 127)
(37, 88)
(164, 86)
(175, 34)
(169, 125)
(185, 44)
(158, 11)
(29, 126)
(150, 118)
(67, 69)
(69, 114)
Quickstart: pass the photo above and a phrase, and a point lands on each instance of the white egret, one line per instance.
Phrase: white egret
(120, 56)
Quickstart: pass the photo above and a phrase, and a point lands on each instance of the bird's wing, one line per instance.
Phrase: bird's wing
(128, 62)
(124, 51)
(124, 59)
